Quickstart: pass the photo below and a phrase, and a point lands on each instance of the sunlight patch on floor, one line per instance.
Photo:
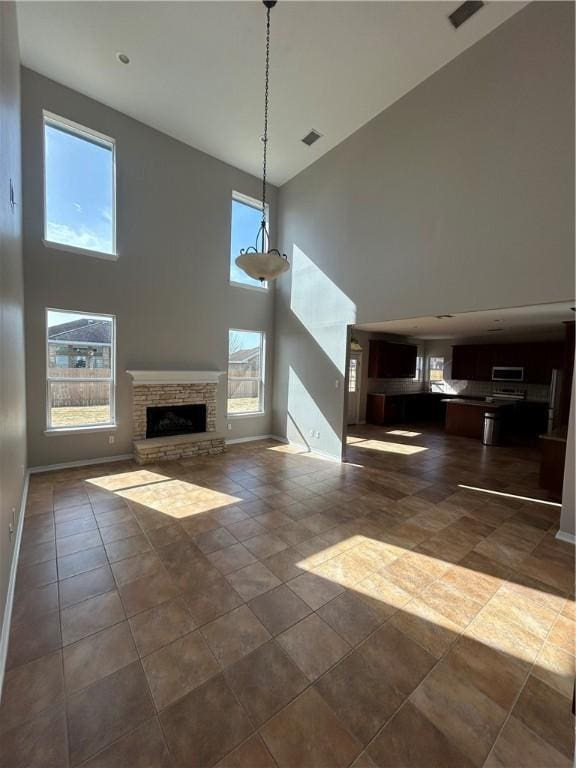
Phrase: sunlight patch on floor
(386, 447)
(403, 433)
(179, 498)
(510, 495)
(128, 480)
(395, 590)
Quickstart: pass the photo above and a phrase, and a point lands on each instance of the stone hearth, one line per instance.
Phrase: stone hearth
(169, 388)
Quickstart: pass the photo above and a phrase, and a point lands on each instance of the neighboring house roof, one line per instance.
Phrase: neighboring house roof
(85, 330)
(244, 355)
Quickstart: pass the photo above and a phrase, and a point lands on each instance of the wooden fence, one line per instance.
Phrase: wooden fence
(242, 388)
(72, 394)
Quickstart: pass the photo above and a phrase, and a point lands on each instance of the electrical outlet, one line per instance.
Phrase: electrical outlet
(229, 427)
(111, 439)
(317, 435)
(311, 433)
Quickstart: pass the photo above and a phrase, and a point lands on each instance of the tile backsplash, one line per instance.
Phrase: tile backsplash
(538, 392)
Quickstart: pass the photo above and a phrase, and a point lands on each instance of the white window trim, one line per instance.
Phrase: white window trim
(49, 118)
(252, 202)
(262, 379)
(50, 430)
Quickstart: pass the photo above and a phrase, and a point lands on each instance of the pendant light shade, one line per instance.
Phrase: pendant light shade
(263, 266)
(259, 262)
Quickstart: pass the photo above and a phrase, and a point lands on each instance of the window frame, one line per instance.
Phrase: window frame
(251, 202)
(112, 424)
(419, 375)
(429, 369)
(88, 134)
(261, 380)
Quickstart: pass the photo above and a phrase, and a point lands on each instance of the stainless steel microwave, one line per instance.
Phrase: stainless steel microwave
(507, 373)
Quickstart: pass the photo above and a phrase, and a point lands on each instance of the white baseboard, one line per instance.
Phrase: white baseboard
(82, 463)
(7, 618)
(569, 537)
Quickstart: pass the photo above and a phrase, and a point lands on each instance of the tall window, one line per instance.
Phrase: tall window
(436, 369)
(80, 358)
(79, 188)
(353, 374)
(246, 220)
(245, 372)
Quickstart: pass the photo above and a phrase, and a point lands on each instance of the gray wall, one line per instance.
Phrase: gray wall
(12, 401)
(169, 289)
(460, 196)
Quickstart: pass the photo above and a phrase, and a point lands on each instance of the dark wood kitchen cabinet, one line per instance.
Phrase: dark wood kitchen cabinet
(474, 362)
(387, 360)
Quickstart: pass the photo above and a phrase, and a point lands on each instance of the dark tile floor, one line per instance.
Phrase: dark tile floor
(268, 608)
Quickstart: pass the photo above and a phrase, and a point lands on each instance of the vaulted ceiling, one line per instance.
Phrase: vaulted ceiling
(196, 68)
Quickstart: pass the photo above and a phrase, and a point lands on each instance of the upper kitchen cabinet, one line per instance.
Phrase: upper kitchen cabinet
(474, 362)
(387, 360)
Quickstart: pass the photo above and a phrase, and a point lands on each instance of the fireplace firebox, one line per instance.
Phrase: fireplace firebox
(165, 420)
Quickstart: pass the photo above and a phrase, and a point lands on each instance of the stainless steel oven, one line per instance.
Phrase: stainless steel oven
(507, 373)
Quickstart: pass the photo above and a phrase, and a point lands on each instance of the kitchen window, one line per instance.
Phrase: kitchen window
(246, 350)
(245, 223)
(80, 364)
(418, 373)
(79, 189)
(436, 369)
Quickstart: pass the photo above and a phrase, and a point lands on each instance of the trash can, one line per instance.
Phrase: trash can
(491, 434)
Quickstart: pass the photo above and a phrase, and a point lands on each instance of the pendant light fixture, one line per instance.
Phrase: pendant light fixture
(258, 262)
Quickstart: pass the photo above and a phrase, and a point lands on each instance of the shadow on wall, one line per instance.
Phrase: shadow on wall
(310, 370)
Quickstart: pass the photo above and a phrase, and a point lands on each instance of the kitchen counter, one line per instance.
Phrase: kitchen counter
(486, 404)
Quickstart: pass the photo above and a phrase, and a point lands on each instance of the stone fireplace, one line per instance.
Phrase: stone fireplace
(174, 415)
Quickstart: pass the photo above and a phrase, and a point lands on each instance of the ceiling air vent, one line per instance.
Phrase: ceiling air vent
(463, 13)
(311, 138)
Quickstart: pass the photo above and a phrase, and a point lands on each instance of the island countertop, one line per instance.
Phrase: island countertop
(478, 403)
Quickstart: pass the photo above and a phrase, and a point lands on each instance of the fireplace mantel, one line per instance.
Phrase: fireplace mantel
(175, 377)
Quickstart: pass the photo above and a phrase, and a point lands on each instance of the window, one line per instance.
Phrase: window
(353, 375)
(418, 374)
(436, 369)
(246, 220)
(79, 188)
(245, 372)
(80, 360)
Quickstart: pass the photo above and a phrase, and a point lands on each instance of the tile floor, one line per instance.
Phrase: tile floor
(267, 608)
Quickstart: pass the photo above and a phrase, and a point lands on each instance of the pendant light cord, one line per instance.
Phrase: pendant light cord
(265, 138)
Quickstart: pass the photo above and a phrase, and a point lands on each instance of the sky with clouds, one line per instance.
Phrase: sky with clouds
(79, 187)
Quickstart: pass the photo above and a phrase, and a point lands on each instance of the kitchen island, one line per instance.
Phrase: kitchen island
(465, 417)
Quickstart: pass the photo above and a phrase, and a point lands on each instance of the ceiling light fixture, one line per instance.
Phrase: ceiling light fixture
(258, 262)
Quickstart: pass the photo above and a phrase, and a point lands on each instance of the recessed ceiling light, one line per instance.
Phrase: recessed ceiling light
(123, 58)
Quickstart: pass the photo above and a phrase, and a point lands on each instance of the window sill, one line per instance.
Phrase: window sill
(257, 288)
(81, 251)
(55, 431)
(232, 416)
